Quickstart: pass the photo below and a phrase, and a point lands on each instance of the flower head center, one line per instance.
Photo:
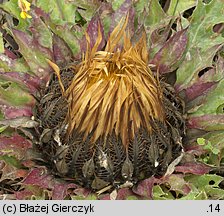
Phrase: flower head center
(114, 90)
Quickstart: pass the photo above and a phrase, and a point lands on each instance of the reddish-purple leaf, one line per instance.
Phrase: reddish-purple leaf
(13, 112)
(29, 163)
(123, 193)
(84, 192)
(207, 122)
(31, 82)
(34, 54)
(198, 89)
(60, 190)
(178, 184)
(195, 150)
(24, 194)
(205, 80)
(144, 188)
(125, 8)
(11, 172)
(39, 177)
(62, 53)
(159, 36)
(170, 54)
(104, 197)
(92, 31)
(195, 168)
(16, 145)
(10, 54)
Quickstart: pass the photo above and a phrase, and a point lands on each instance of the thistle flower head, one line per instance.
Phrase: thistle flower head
(114, 89)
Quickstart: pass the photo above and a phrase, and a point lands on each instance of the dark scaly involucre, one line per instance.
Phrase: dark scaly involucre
(109, 119)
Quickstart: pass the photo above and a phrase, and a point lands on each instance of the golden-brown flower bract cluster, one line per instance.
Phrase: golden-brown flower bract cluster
(114, 89)
(109, 120)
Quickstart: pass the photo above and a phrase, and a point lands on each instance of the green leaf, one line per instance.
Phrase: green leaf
(156, 23)
(11, 160)
(7, 64)
(12, 94)
(208, 145)
(213, 104)
(158, 193)
(1, 115)
(207, 183)
(13, 9)
(2, 129)
(177, 7)
(80, 197)
(116, 3)
(215, 138)
(195, 195)
(203, 42)
(41, 33)
(70, 37)
(201, 141)
(86, 8)
(220, 109)
(61, 11)
(152, 10)
(131, 198)
(33, 53)
(1, 44)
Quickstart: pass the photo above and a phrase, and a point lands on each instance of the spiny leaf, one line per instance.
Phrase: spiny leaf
(8, 64)
(11, 112)
(41, 35)
(177, 7)
(158, 193)
(92, 30)
(208, 122)
(60, 11)
(116, 3)
(12, 8)
(178, 184)
(12, 94)
(149, 12)
(156, 23)
(31, 52)
(87, 8)
(203, 42)
(60, 190)
(145, 187)
(209, 184)
(193, 168)
(15, 146)
(25, 80)
(11, 161)
(61, 51)
(122, 11)
(12, 169)
(125, 194)
(40, 177)
(212, 101)
(168, 58)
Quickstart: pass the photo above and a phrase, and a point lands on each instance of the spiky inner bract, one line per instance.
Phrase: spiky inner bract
(114, 89)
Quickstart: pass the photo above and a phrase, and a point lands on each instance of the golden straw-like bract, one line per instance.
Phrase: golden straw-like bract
(114, 89)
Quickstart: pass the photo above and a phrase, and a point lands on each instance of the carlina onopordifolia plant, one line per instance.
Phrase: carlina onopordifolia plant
(89, 98)
(108, 119)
